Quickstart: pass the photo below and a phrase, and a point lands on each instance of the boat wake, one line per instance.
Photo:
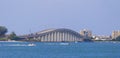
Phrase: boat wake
(18, 45)
(57, 43)
(64, 43)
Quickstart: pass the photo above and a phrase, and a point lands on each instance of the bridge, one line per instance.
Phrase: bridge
(56, 35)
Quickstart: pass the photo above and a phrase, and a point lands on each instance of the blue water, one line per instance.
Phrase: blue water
(60, 50)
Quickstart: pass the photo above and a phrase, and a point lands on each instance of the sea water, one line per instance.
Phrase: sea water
(60, 50)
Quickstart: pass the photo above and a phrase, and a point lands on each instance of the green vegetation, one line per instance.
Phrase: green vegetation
(3, 39)
(3, 30)
(13, 36)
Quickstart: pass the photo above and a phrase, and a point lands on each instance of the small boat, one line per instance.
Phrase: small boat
(31, 44)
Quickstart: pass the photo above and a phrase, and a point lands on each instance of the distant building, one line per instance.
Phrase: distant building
(87, 34)
(115, 34)
(102, 37)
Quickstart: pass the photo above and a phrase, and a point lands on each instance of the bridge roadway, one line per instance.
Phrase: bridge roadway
(56, 35)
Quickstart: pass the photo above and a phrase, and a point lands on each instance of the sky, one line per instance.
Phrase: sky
(29, 16)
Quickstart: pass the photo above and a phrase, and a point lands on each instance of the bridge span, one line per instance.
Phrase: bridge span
(56, 35)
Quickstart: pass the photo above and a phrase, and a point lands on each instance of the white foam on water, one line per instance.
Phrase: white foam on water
(18, 45)
(64, 43)
(10, 41)
(31, 44)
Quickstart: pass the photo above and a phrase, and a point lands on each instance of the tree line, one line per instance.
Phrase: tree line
(3, 36)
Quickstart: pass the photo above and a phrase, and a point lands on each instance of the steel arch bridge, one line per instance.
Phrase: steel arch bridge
(56, 35)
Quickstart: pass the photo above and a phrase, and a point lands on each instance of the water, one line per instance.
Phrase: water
(60, 50)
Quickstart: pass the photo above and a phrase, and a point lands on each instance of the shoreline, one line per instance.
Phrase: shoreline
(11, 41)
(60, 42)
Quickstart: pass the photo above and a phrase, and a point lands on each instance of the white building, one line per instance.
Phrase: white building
(115, 34)
(86, 33)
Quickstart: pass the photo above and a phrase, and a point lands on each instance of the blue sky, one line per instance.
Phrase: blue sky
(100, 16)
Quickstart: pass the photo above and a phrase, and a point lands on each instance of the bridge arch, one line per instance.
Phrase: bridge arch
(57, 35)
